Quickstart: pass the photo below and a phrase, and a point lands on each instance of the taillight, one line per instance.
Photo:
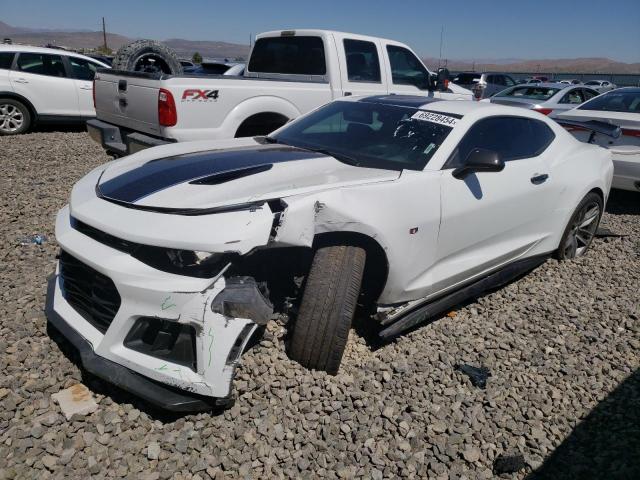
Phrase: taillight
(94, 94)
(630, 133)
(167, 114)
(544, 111)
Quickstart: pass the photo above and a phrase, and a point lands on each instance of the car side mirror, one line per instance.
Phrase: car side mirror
(442, 82)
(479, 160)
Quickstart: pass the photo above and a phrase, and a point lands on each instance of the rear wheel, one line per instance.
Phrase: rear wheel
(329, 301)
(581, 228)
(14, 117)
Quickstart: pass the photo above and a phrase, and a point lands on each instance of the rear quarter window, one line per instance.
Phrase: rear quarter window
(513, 138)
(6, 59)
(531, 92)
(288, 55)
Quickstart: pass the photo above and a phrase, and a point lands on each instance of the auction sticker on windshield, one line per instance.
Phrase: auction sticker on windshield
(438, 118)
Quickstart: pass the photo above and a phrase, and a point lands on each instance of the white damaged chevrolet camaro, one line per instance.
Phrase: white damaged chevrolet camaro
(172, 258)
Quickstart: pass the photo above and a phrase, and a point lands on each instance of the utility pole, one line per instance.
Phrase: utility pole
(440, 58)
(104, 36)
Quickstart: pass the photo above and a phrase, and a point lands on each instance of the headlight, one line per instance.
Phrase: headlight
(184, 262)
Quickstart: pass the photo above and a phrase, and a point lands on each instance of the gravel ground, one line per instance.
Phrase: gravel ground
(561, 343)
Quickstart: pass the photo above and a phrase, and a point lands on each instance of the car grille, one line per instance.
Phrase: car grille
(92, 294)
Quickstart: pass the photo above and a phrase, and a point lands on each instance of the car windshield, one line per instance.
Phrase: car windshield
(615, 101)
(533, 93)
(370, 135)
(593, 82)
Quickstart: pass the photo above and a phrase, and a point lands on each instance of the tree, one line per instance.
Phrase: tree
(197, 58)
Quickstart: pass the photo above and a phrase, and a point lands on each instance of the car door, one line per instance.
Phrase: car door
(43, 79)
(83, 71)
(360, 70)
(492, 218)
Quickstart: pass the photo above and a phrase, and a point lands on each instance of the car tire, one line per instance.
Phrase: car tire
(581, 228)
(147, 56)
(15, 117)
(321, 328)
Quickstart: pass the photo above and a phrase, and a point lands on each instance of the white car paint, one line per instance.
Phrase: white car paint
(438, 232)
(625, 149)
(50, 96)
(239, 98)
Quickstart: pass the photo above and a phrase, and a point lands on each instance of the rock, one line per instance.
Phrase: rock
(471, 454)
(153, 451)
(49, 461)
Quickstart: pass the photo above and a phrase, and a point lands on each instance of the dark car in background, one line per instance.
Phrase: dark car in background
(483, 85)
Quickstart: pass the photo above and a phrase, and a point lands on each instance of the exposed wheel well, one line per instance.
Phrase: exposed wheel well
(21, 99)
(376, 267)
(598, 192)
(261, 124)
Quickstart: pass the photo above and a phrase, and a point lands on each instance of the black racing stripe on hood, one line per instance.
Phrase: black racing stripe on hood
(157, 175)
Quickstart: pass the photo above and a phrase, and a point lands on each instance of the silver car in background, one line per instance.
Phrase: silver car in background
(601, 85)
(620, 107)
(483, 85)
(547, 98)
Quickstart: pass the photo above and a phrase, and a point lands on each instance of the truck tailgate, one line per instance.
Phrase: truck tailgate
(128, 99)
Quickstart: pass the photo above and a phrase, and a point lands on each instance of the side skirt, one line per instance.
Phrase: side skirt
(422, 313)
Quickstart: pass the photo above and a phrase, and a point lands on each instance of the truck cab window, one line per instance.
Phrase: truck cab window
(406, 69)
(288, 55)
(362, 61)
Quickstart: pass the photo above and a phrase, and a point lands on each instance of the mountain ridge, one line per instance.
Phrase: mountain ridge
(87, 39)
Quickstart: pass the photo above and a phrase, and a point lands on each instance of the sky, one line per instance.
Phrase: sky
(480, 30)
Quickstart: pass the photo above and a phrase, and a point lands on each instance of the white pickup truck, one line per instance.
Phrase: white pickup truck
(289, 73)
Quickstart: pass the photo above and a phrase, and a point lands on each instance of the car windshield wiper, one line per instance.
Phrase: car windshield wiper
(338, 156)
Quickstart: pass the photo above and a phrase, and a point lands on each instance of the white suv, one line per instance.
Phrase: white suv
(44, 85)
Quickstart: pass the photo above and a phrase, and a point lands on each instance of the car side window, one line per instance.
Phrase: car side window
(513, 138)
(406, 69)
(508, 81)
(6, 59)
(83, 69)
(589, 94)
(362, 61)
(42, 64)
(573, 97)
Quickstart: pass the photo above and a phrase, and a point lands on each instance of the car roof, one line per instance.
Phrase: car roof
(53, 51)
(456, 107)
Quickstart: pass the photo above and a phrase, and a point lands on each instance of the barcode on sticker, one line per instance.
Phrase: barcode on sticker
(435, 118)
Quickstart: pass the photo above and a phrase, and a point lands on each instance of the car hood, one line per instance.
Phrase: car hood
(216, 178)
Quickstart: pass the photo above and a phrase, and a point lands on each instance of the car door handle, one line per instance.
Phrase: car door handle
(538, 179)
(21, 80)
(86, 88)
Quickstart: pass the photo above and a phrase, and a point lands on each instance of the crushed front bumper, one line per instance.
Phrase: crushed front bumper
(204, 306)
(118, 141)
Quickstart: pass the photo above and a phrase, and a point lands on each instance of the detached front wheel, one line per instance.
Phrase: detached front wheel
(329, 301)
(581, 228)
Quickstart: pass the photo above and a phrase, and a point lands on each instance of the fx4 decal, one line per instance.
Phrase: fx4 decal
(194, 94)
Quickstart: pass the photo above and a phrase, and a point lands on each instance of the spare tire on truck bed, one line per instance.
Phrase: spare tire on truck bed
(147, 56)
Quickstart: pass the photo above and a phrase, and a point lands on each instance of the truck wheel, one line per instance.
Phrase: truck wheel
(147, 56)
(321, 328)
(15, 117)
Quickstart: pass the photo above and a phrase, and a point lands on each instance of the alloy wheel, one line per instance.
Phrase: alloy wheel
(11, 118)
(583, 229)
